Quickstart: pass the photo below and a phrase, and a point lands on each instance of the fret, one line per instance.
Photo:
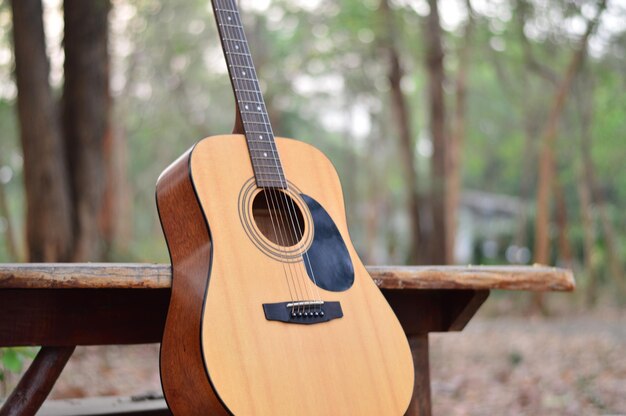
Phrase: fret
(247, 96)
(252, 102)
(254, 115)
(229, 25)
(246, 85)
(255, 122)
(260, 138)
(277, 179)
(261, 141)
(234, 40)
(258, 118)
(259, 148)
(241, 59)
(274, 176)
(267, 166)
(255, 126)
(272, 155)
(264, 155)
(273, 169)
(237, 53)
(275, 173)
(245, 90)
(278, 182)
(274, 179)
(245, 79)
(271, 185)
(249, 68)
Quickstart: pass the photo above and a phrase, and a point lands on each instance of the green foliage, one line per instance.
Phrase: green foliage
(12, 359)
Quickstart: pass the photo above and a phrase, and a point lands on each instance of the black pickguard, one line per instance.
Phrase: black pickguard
(327, 260)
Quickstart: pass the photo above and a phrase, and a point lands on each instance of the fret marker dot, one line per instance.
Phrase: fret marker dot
(265, 154)
(246, 107)
(261, 137)
(243, 72)
(229, 18)
(236, 46)
(258, 108)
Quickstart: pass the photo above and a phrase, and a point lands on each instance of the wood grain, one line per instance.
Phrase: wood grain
(529, 278)
(158, 276)
(69, 317)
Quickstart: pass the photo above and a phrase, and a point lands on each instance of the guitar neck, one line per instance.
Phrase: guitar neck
(268, 170)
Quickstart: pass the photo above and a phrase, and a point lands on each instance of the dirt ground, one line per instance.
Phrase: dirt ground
(571, 364)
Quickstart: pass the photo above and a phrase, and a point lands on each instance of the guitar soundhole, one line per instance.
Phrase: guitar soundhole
(278, 217)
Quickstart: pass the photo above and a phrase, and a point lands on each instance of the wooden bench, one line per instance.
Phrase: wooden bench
(60, 306)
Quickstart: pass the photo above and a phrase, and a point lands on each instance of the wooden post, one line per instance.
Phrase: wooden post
(35, 385)
(420, 403)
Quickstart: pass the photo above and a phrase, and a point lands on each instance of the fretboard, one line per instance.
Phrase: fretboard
(266, 165)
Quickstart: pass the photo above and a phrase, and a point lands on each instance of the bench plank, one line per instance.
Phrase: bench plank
(158, 276)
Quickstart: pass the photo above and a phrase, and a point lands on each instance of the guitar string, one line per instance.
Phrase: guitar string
(281, 242)
(274, 227)
(280, 221)
(285, 203)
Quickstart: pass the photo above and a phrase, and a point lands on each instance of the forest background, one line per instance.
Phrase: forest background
(464, 131)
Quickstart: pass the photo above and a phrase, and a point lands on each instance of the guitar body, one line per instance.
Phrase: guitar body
(223, 351)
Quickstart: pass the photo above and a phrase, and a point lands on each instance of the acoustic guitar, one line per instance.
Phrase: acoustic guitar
(271, 311)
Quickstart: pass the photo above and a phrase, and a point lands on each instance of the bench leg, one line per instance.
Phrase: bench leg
(420, 403)
(36, 383)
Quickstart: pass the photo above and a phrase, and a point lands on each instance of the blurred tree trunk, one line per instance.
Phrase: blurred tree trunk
(594, 197)
(63, 158)
(528, 158)
(374, 196)
(585, 184)
(565, 248)
(546, 161)
(9, 234)
(531, 124)
(546, 165)
(400, 109)
(439, 253)
(48, 195)
(598, 199)
(459, 131)
(86, 117)
(591, 290)
(616, 269)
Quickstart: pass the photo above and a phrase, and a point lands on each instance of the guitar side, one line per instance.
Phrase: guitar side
(185, 382)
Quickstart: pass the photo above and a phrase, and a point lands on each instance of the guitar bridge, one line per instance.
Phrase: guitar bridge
(303, 312)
